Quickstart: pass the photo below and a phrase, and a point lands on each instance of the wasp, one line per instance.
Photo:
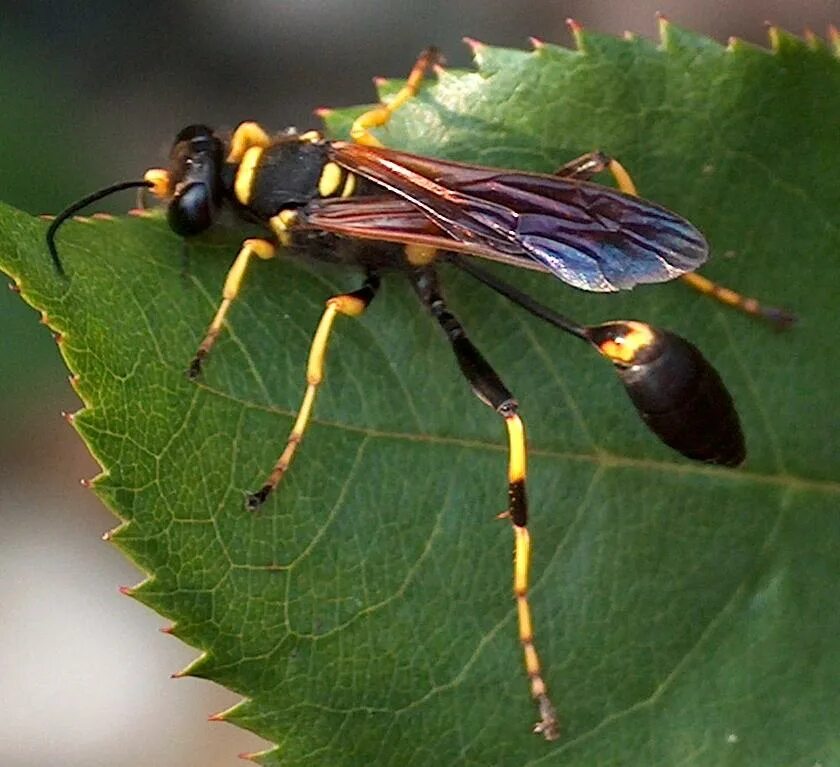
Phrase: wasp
(383, 211)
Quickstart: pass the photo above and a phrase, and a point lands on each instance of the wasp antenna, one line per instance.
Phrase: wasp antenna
(76, 207)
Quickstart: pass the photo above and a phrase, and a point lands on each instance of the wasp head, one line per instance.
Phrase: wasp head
(193, 183)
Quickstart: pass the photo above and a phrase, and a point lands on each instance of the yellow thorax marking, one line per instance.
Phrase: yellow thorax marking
(245, 174)
(349, 185)
(331, 177)
(248, 134)
(282, 223)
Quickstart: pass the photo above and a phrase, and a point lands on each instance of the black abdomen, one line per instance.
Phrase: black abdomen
(676, 391)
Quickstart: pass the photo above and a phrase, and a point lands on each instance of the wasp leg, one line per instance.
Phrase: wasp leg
(780, 318)
(379, 116)
(488, 387)
(351, 305)
(586, 166)
(255, 247)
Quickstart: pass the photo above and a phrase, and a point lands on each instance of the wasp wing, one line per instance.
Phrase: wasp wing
(588, 235)
(391, 219)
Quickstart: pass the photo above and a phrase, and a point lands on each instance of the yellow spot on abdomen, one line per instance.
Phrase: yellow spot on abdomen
(624, 348)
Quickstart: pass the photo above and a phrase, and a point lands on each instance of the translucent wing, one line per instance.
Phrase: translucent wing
(588, 235)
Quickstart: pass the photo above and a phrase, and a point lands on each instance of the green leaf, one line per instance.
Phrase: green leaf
(685, 614)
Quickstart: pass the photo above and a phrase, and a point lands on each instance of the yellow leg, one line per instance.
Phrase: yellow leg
(255, 247)
(779, 317)
(350, 305)
(548, 726)
(490, 389)
(379, 116)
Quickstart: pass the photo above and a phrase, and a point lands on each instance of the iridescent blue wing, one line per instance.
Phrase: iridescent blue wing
(588, 235)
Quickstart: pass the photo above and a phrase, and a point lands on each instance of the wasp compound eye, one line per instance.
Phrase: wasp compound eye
(193, 132)
(191, 211)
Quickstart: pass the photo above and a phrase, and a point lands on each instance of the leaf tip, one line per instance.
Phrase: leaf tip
(813, 41)
(774, 35)
(14, 287)
(192, 668)
(140, 212)
(834, 38)
(86, 483)
(663, 24)
(250, 756)
(68, 416)
(536, 43)
(476, 47)
(126, 591)
(111, 535)
(168, 630)
(229, 714)
(782, 41)
(322, 113)
(576, 28)
(440, 70)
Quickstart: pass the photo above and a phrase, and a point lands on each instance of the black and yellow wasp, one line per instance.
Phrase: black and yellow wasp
(384, 211)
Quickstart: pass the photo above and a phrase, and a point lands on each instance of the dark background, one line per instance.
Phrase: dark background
(91, 93)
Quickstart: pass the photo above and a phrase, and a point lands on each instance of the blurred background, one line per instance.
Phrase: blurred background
(91, 93)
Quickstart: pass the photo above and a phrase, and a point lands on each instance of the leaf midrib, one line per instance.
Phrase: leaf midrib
(601, 458)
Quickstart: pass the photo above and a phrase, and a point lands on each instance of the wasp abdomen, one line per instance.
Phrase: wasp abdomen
(677, 392)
